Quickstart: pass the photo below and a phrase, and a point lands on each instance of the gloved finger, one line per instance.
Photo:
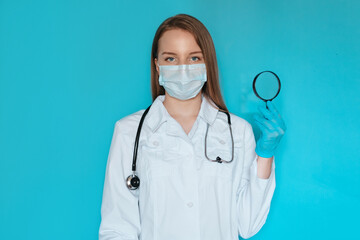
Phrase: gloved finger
(274, 135)
(276, 113)
(265, 112)
(277, 123)
(273, 109)
(262, 128)
(281, 130)
(280, 124)
(269, 127)
(269, 116)
(264, 122)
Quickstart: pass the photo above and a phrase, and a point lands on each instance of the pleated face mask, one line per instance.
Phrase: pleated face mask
(182, 81)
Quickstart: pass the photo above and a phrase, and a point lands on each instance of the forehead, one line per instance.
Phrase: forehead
(177, 40)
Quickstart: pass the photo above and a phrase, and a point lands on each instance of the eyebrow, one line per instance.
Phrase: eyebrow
(171, 53)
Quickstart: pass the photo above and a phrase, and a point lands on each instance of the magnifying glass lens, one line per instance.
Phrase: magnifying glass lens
(266, 85)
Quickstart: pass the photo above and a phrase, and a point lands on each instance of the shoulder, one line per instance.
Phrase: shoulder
(240, 123)
(243, 127)
(129, 123)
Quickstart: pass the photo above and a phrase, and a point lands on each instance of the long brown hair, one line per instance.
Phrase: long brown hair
(211, 88)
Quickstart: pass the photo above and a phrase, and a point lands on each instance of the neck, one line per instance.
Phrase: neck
(182, 108)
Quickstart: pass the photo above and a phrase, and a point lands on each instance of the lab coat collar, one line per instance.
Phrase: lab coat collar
(158, 113)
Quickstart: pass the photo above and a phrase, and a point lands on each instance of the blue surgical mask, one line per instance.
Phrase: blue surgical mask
(182, 81)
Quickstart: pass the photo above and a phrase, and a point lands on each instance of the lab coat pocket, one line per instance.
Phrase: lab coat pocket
(222, 170)
(160, 163)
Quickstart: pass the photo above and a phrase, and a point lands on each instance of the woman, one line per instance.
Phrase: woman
(183, 195)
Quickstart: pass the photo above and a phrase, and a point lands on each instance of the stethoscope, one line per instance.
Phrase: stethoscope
(133, 181)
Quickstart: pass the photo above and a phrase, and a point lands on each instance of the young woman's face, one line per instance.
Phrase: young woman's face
(178, 47)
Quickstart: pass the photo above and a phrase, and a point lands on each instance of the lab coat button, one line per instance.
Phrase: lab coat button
(190, 204)
(222, 141)
(156, 143)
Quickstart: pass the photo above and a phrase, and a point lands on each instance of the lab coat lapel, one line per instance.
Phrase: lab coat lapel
(158, 115)
(207, 112)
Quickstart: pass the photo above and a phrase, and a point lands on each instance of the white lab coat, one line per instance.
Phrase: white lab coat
(182, 195)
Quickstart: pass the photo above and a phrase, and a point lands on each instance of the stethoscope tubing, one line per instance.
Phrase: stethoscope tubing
(133, 181)
(218, 158)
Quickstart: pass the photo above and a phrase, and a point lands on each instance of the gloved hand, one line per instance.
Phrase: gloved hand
(272, 129)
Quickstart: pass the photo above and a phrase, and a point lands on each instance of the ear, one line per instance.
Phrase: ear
(156, 66)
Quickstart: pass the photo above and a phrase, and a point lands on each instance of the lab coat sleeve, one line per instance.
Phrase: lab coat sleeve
(119, 209)
(254, 194)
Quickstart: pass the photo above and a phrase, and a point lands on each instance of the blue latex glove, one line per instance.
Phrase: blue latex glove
(272, 129)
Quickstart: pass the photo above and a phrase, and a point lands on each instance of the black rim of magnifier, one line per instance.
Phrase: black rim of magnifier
(254, 88)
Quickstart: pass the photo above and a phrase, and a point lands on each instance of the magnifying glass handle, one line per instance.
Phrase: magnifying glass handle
(266, 104)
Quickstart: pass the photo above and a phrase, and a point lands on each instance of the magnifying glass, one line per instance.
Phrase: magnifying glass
(266, 85)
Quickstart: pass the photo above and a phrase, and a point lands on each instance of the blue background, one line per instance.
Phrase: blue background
(70, 69)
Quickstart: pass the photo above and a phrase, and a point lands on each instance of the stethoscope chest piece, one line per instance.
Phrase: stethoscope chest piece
(132, 182)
